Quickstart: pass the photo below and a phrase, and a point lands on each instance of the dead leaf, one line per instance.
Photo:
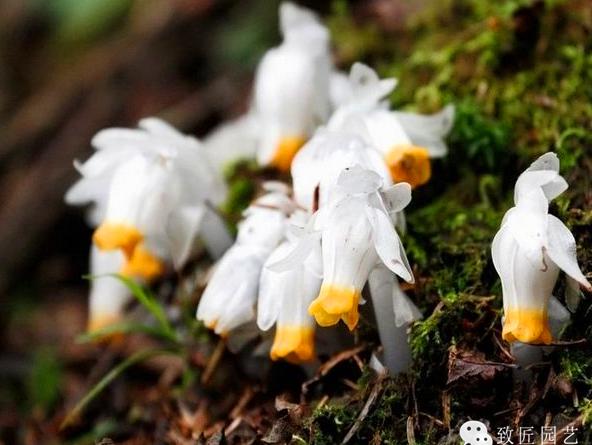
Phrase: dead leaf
(465, 365)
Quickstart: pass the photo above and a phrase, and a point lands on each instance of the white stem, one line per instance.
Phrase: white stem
(394, 339)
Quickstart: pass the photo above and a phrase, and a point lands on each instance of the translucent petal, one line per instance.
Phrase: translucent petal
(428, 131)
(387, 244)
(561, 249)
(397, 197)
(182, 229)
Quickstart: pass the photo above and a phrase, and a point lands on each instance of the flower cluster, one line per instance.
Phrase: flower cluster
(307, 253)
(151, 192)
(353, 162)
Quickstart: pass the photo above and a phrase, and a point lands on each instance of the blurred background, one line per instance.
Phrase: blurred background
(69, 68)
(518, 71)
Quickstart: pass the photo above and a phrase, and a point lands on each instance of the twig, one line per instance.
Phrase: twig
(213, 361)
(366, 409)
(410, 431)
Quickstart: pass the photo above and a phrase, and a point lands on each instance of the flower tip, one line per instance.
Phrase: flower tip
(144, 264)
(410, 164)
(294, 344)
(529, 326)
(285, 152)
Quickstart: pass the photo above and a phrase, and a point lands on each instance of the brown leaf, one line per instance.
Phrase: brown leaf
(465, 364)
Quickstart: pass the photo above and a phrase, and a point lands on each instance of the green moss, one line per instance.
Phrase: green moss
(519, 73)
(385, 422)
(240, 177)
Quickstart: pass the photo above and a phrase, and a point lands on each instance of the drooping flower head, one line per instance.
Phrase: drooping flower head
(407, 141)
(356, 230)
(230, 296)
(529, 250)
(144, 183)
(291, 87)
(284, 296)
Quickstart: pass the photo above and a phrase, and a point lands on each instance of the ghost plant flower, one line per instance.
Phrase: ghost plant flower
(356, 231)
(407, 141)
(230, 296)
(284, 296)
(529, 250)
(150, 191)
(155, 178)
(291, 87)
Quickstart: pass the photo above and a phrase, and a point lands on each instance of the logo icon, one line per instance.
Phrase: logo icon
(475, 433)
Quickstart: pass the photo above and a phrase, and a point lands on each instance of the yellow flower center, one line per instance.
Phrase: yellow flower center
(336, 303)
(142, 264)
(285, 152)
(527, 326)
(293, 343)
(408, 163)
(112, 236)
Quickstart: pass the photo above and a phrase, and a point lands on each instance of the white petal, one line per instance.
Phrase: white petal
(384, 130)
(182, 228)
(561, 249)
(368, 87)
(358, 180)
(302, 26)
(157, 126)
(230, 141)
(296, 254)
(229, 298)
(272, 286)
(548, 161)
(348, 253)
(573, 294)
(102, 162)
(405, 310)
(387, 244)
(214, 234)
(549, 181)
(428, 131)
(559, 316)
(528, 224)
(397, 197)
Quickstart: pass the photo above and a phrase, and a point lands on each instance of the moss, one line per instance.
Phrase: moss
(385, 422)
(240, 177)
(520, 75)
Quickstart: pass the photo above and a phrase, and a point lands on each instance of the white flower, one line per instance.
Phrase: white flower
(407, 141)
(529, 250)
(317, 166)
(108, 295)
(394, 312)
(291, 92)
(284, 298)
(229, 298)
(150, 188)
(356, 230)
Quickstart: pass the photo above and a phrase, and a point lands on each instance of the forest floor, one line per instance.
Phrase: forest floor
(520, 76)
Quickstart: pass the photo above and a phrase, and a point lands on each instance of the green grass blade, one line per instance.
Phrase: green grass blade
(122, 328)
(138, 357)
(147, 300)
